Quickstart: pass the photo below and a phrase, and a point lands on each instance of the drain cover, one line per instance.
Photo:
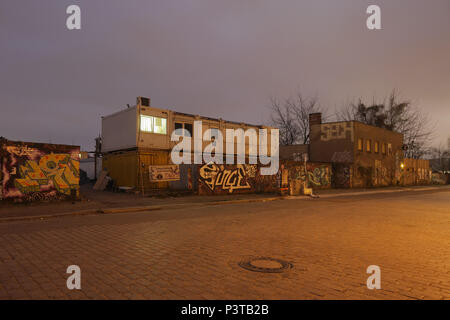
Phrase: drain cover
(265, 264)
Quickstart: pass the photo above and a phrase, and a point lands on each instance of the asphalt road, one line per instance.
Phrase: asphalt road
(194, 253)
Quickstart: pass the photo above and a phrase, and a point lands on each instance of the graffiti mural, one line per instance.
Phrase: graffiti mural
(341, 175)
(241, 178)
(316, 176)
(37, 171)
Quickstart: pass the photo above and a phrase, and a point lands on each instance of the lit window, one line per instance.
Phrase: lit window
(160, 125)
(360, 144)
(375, 147)
(368, 145)
(153, 124)
(389, 148)
(146, 123)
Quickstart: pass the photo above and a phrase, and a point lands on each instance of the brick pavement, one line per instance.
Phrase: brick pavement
(194, 254)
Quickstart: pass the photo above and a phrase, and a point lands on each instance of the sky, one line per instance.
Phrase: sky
(217, 58)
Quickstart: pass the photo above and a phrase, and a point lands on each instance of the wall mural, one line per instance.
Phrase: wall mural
(37, 171)
(241, 178)
(318, 175)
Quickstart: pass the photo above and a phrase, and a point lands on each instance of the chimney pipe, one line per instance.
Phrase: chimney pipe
(315, 118)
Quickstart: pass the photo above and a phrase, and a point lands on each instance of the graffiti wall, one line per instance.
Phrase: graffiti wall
(37, 171)
(316, 176)
(342, 175)
(240, 178)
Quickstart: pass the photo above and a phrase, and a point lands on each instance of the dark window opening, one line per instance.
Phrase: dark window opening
(188, 127)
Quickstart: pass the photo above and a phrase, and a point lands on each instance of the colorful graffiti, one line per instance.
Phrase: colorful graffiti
(315, 175)
(218, 179)
(35, 171)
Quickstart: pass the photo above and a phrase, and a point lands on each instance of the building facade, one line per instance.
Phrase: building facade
(138, 138)
(361, 155)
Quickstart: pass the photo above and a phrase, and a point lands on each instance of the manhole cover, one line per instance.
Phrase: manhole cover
(265, 264)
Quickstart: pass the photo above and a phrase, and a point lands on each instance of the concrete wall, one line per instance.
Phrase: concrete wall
(38, 171)
(88, 166)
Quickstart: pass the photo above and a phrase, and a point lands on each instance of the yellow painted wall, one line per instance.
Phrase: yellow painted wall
(131, 168)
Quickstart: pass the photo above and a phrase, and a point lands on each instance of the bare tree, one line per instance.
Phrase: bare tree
(282, 119)
(292, 118)
(441, 157)
(397, 116)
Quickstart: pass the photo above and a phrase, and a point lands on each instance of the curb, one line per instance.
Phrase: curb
(135, 209)
(300, 197)
(203, 204)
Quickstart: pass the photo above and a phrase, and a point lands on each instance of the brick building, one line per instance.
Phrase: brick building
(361, 155)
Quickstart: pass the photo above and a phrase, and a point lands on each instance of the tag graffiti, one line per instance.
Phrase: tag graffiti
(59, 169)
(228, 179)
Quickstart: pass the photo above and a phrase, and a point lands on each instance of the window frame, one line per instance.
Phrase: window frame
(152, 125)
(360, 147)
(369, 145)
(150, 118)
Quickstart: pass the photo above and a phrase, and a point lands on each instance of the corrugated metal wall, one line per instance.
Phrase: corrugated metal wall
(145, 160)
(131, 168)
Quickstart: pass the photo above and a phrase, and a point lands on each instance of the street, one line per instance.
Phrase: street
(194, 253)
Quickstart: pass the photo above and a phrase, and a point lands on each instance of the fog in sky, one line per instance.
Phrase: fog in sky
(218, 58)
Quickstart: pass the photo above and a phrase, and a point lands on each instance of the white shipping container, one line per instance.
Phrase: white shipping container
(119, 130)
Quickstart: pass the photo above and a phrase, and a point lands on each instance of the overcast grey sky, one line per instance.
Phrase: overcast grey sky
(218, 58)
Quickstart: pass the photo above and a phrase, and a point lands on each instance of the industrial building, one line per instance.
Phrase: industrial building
(136, 146)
